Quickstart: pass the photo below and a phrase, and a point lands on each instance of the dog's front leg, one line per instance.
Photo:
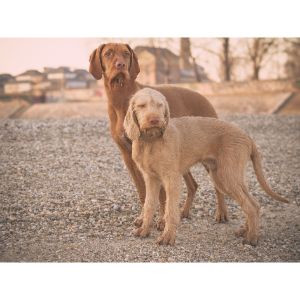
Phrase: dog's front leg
(152, 195)
(172, 185)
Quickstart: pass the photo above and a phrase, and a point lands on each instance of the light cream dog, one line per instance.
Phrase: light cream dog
(164, 149)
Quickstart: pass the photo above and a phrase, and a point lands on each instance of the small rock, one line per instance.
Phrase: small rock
(116, 207)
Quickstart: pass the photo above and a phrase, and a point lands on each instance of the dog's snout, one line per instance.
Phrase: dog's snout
(154, 121)
(120, 65)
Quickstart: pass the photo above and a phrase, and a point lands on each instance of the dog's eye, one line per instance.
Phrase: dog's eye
(126, 53)
(141, 105)
(108, 53)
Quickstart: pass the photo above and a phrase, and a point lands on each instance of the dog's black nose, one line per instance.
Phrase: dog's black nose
(120, 65)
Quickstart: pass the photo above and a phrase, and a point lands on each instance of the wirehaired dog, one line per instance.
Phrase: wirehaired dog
(164, 149)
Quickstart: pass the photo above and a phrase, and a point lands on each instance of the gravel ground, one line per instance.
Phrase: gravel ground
(66, 196)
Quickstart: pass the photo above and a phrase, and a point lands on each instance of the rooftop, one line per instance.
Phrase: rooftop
(157, 51)
(31, 73)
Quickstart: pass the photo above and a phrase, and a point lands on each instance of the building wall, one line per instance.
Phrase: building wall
(76, 84)
(246, 87)
(18, 87)
(148, 68)
(60, 76)
(157, 70)
(42, 85)
(169, 71)
(72, 95)
(34, 79)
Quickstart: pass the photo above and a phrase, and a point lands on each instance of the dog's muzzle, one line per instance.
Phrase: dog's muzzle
(150, 134)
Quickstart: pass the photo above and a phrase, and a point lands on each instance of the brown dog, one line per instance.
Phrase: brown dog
(165, 149)
(118, 64)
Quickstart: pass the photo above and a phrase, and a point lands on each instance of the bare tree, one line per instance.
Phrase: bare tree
(162, 42)
(225, 56)
(292, 66)
(187, 60)
(227, 60)
(258, 50)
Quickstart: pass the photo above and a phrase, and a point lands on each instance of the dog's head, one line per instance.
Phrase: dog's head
(117, 62)
(147, 116)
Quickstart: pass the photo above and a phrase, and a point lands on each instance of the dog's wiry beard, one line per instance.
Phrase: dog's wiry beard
(150, 134)
(119, 80)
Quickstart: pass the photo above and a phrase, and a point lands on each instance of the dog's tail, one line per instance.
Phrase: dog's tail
(256, 160)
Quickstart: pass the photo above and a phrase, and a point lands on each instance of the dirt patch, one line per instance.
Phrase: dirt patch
(247, 103)
(8, 108)
(64, 110)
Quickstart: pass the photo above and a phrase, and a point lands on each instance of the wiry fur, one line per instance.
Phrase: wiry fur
(223, 148)
(120, 85)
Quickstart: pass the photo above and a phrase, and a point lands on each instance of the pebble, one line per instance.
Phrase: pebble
(116, 207)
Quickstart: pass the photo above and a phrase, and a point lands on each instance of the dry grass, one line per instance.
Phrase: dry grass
(293, 107)
(7, 108)
(64, 110)
(247, 103)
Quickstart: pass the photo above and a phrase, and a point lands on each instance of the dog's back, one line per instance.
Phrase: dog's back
(205, 137)
(220, 143)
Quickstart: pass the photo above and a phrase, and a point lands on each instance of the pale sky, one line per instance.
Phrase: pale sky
(20, 54)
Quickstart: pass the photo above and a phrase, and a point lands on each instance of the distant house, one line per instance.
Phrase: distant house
(160, 65)
(5, 78)
(83, 74)
(30, 76)
(76, 84)
(13, 88)
(23, 83)
(61, 73)
(64, 78)
(83, 79)
(54, 84)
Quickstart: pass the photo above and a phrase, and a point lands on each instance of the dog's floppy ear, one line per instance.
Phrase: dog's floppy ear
(134, 68)
(167, 112)
(95, 63)
(131, 124)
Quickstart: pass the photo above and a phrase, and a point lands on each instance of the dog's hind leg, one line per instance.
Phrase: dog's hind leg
(192, 186)
(221, 211)
(160, 225)
(231, 182)
(250, 231)
(221, 214)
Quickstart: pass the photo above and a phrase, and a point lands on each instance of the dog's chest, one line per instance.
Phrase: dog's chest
(146, 157)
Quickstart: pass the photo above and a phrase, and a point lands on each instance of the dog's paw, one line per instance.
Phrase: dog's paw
(160, 225)
(221, 216)
(167, 238)
(184, 213)
(138, 222)
(241, 232)
(142, 232)
(250, 241)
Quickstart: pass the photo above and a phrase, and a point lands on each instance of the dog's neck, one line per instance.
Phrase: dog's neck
(119, 96)
(118, 102)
